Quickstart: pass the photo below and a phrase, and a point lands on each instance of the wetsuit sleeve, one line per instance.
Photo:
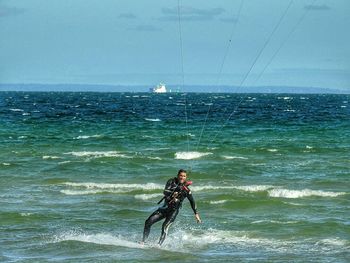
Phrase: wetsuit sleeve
(192, 202)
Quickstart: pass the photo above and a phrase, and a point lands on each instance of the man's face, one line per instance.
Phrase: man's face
(182, 177)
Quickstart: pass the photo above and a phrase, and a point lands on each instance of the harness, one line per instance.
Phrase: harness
(176, 194)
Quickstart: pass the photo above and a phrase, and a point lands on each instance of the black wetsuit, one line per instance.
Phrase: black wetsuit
(170, 209)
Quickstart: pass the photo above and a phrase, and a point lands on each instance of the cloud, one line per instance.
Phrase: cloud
(10, 11)
(149, 28)
(127, 16)
(317, 7)
(189, 13)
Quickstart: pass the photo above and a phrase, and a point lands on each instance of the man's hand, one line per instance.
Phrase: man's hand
(198, 218)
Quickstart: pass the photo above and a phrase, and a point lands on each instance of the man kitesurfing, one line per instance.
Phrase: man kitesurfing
(176, 190)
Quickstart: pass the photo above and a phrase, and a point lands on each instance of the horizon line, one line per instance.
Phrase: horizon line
(239, 89)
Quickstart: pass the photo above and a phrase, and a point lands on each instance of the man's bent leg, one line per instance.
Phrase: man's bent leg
(153, 218)
(168, 221)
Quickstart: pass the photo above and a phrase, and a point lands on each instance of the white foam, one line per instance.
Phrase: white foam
(154, 158)
(97, 188)
(26, 114)
(186, 240)
(147, 196)
(16, 110)
(245, 239)
(308, 147)
(110, 187)
(254, 188)
(90, 191)
(26, 214)
(99, 154)
(247, 188)
(332, 242)
(286, 193)
(103, 239)
(149, 119)
(213, 236)
(64, 162)
(108, 239)
(6, 164)
(190, 155)
(218, 202)
(272, 150)
(177, 241)
(274, 222)
(88, 136)
(228, 157)
(45, 157)
(292, 203)
(106, 186)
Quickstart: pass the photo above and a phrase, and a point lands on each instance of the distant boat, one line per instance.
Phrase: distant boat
(159, 89)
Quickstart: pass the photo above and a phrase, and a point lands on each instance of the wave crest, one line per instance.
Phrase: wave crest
(286, 193)
(190, 155)
(150, 119)
(88, 136)
(98, 154)
(147, 196)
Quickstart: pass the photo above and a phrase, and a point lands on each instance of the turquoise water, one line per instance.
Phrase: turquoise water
(80, 172)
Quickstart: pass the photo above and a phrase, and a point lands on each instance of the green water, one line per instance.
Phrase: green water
(80, 172)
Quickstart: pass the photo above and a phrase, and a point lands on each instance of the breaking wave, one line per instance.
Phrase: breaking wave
(234, 157)
(149, 119)
(88, 136)
(106, 186)
(270, 190)
(286, 193)
(190, 155)
(96, 188)
(247, 188)
(147, 196)
(99, 154)
(48, 157)
(90, 191)
(217, 202)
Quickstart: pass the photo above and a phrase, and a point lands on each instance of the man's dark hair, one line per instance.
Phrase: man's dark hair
(181, 171)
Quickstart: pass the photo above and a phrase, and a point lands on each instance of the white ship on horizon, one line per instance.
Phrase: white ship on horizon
(159, 89)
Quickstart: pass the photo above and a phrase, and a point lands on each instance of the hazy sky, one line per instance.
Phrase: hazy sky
(137, 42)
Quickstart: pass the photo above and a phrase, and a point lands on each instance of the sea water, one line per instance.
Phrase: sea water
(80, 173)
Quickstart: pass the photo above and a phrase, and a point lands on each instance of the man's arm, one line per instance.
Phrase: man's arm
(194, 207)
(192, 202)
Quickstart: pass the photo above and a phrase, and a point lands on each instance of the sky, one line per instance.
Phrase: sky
(137, 42)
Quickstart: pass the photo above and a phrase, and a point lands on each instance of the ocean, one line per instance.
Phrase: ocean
(80, 173)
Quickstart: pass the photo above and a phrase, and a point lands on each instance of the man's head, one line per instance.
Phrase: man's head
(182, 176)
